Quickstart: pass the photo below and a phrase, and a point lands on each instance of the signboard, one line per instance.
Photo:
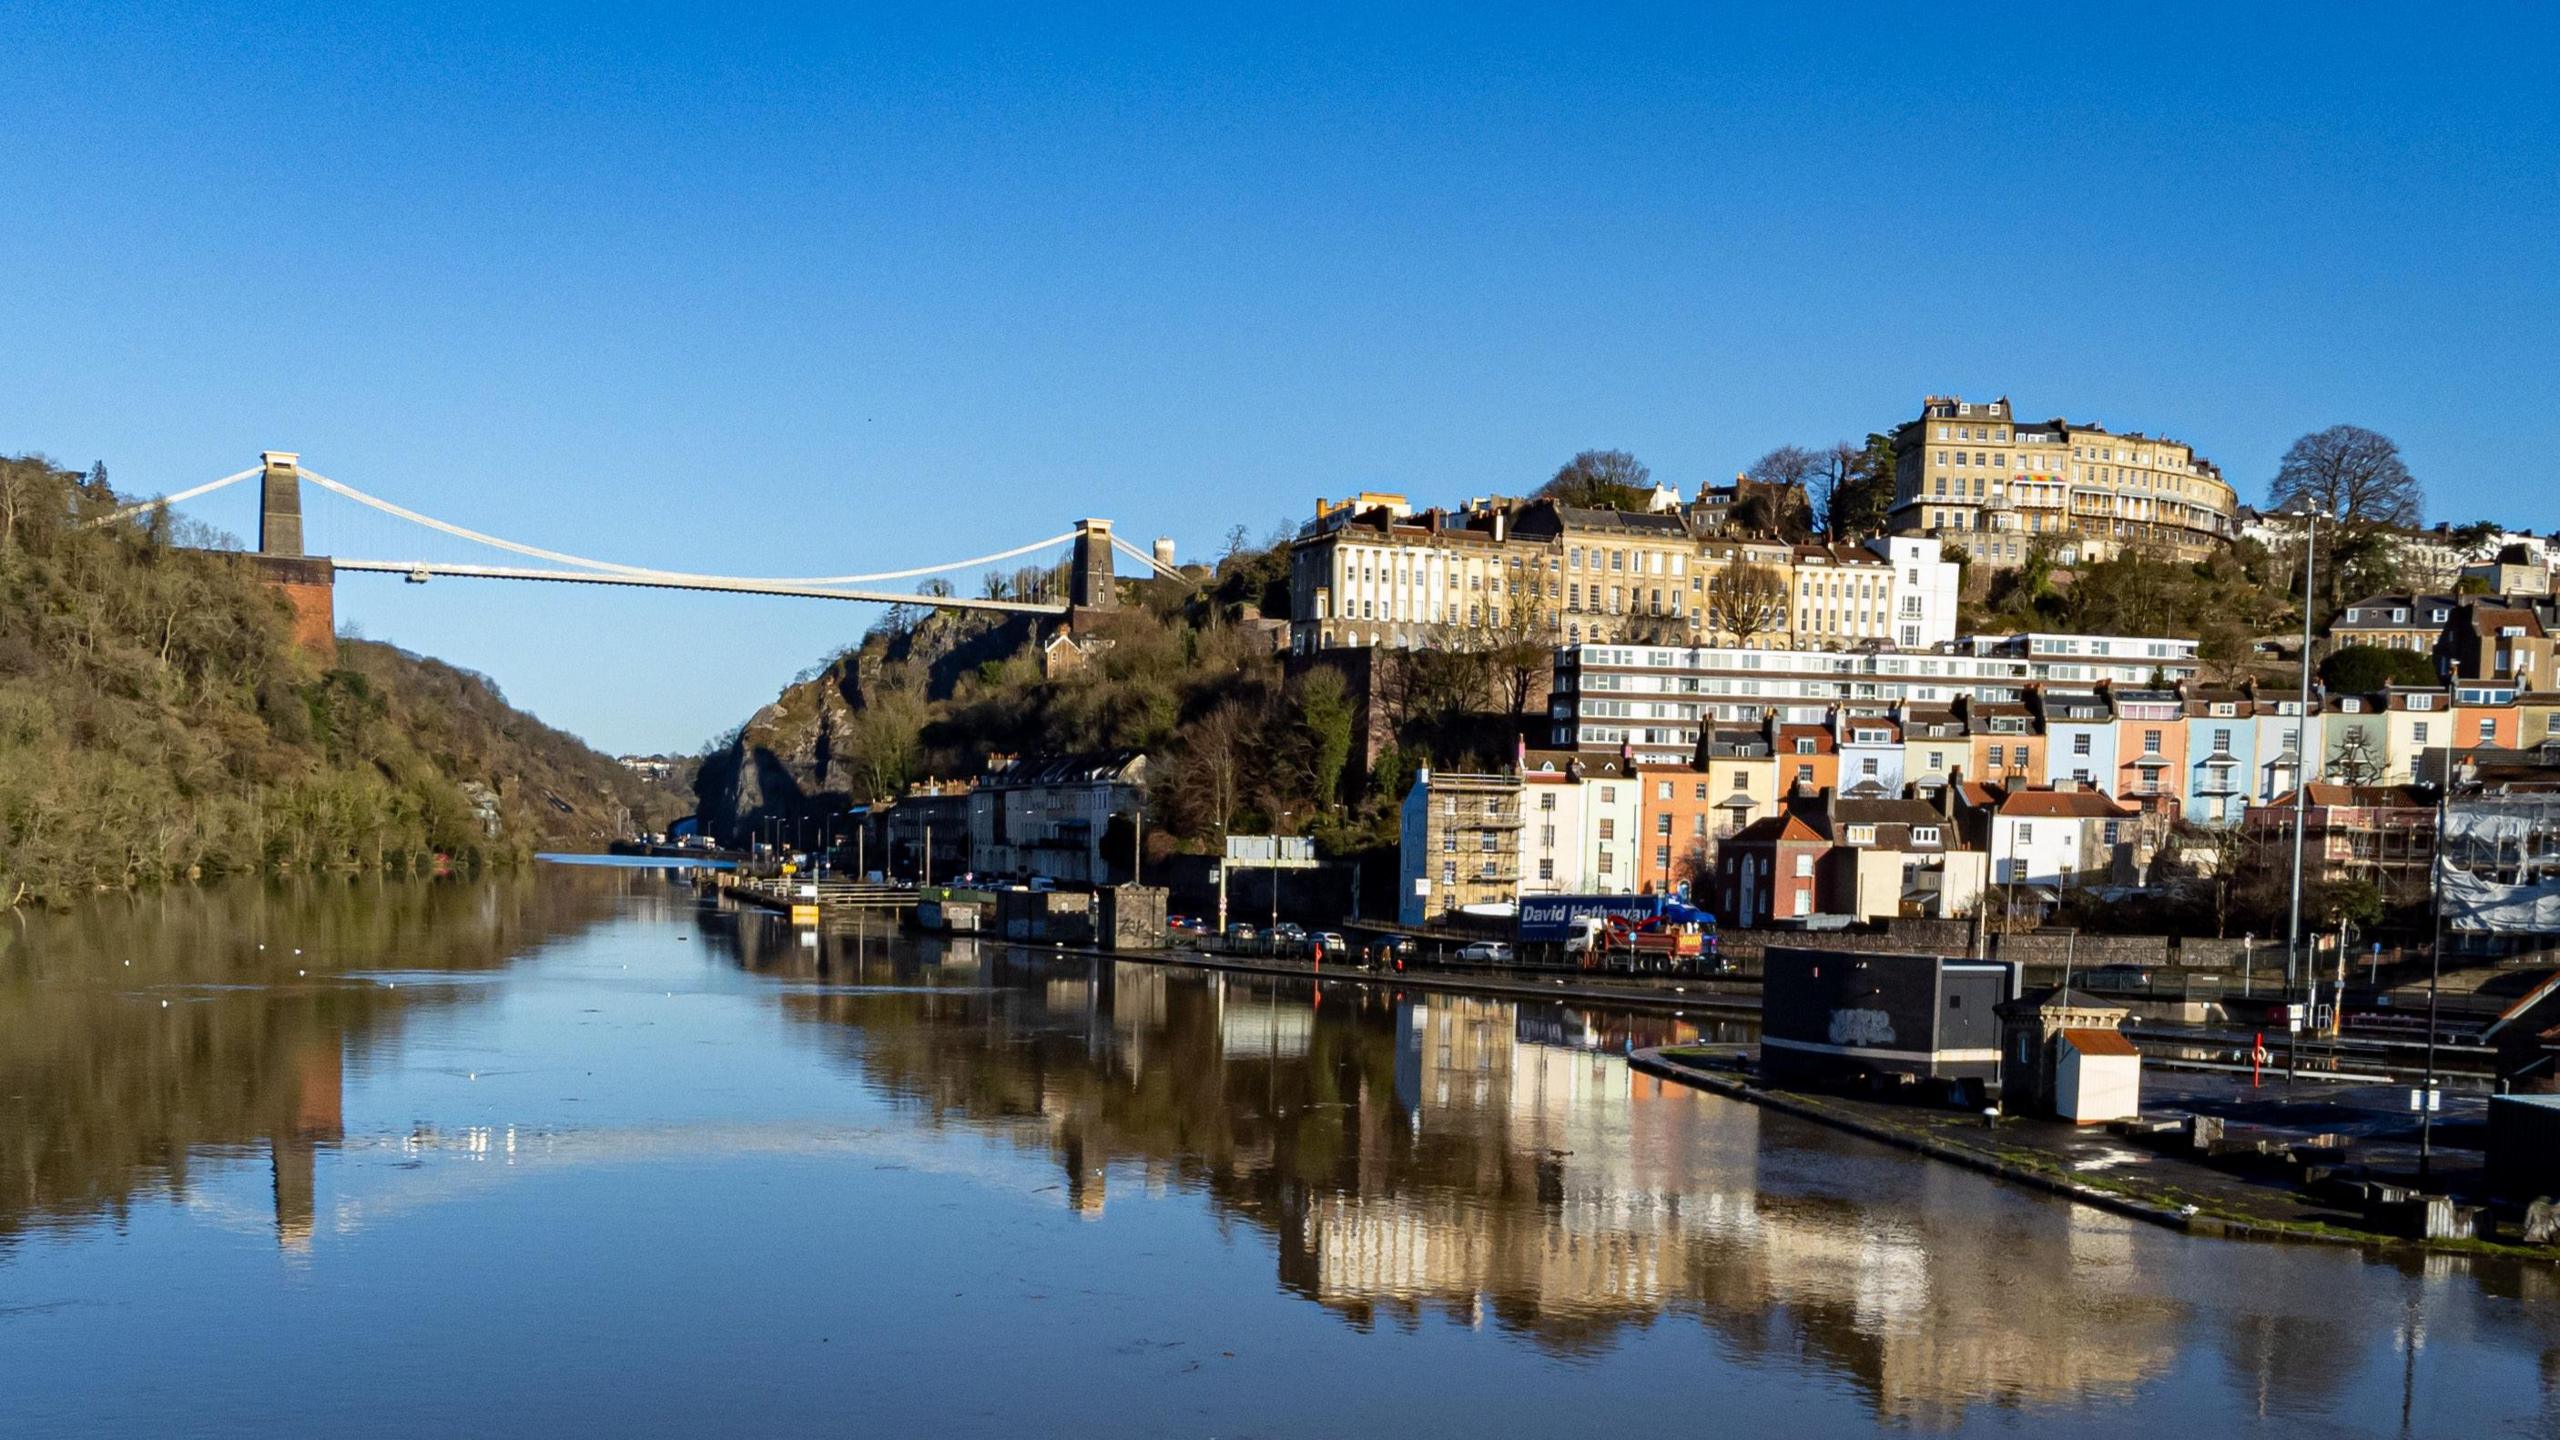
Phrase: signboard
(1274, 852)
(2293, 1017)
(2434, 1101)
(1553, 917)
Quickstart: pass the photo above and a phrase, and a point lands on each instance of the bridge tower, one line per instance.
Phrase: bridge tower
(1090, 578)
(308, 583)
(280, 504)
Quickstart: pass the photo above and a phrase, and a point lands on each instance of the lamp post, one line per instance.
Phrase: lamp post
(2305, 770)
(2435, 967)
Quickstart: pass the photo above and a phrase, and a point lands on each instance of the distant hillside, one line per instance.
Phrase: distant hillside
(157, 723)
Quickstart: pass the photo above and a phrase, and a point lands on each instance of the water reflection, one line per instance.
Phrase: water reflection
(141, 1035)
(1405, 1160)
(1501, 1164)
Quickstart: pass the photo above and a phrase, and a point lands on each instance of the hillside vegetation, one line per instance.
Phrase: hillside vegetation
(157, 723)
(1241, 742)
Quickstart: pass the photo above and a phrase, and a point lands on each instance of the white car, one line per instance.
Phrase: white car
(1488, 950)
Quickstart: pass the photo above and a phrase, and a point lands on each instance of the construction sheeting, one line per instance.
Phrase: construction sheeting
(2472, 902)
(2502, 863)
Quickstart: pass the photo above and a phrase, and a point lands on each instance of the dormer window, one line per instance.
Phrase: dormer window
(1862, 834)
(1924, 834)
(1804, 746)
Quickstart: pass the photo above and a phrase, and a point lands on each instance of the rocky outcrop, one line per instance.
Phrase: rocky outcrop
(789, 758)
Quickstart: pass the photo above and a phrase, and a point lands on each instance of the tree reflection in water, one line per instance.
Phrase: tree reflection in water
(142, 1033)
(1502, 1164)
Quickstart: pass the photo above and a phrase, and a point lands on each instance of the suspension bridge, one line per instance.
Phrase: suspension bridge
(1059, 574)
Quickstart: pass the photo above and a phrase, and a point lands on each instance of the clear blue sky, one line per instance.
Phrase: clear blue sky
(805, 294)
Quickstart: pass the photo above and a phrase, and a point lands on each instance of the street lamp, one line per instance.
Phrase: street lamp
(2435, 966)
(2305, 765)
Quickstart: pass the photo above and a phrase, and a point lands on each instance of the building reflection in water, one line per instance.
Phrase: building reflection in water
(1503, 1164)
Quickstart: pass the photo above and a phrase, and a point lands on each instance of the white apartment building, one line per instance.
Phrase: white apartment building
(1552, 843)
(2088, 659)
(1653, 700)
(1926, 589)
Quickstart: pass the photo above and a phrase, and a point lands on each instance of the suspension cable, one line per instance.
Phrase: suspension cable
(181, 497)
(611, 567)
(1133, 552)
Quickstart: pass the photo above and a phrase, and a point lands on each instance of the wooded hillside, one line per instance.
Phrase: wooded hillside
(157, 723)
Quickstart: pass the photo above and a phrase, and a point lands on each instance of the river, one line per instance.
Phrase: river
(572, 1153)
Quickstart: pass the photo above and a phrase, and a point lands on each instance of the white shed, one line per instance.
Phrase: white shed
(2098, 1077)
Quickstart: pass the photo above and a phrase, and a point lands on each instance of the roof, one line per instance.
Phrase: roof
(1788, 828)
(1081, 768)
(2100, 1042)
(2063, 804)
(2328, 793)
(1669, 527)
(1840, 555)
(1887, 812)
(1788, 735)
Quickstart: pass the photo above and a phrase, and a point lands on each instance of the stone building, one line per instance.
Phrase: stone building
(1971, 472)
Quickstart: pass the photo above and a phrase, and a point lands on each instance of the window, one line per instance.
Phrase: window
(1448, 872)
(2026, 833)
(1608, 861)
(1661, 824)
(2080, 743)
(1546, 869)
(1868, 765)
(1608, 829)
(1804, 775)
(1924, 834)
(1608, 794)
(2418, 732)
(1804, 867)
(1547, 803)
(1662, 857)
(1862, 834)
(1702, 790)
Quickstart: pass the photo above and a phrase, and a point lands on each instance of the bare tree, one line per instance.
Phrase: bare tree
(1746, 598)
(1787, 465)
(1520, 646)
(1832, 488)
(2349, 474)
(1601, 477)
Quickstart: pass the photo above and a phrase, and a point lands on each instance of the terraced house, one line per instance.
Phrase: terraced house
(1973, 473)
(2222, 755)
(1371, 572)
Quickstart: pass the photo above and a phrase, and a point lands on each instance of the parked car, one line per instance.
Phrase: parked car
(1240, 933)
(1486, 951)
(1290, 931)
(1333, 944)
